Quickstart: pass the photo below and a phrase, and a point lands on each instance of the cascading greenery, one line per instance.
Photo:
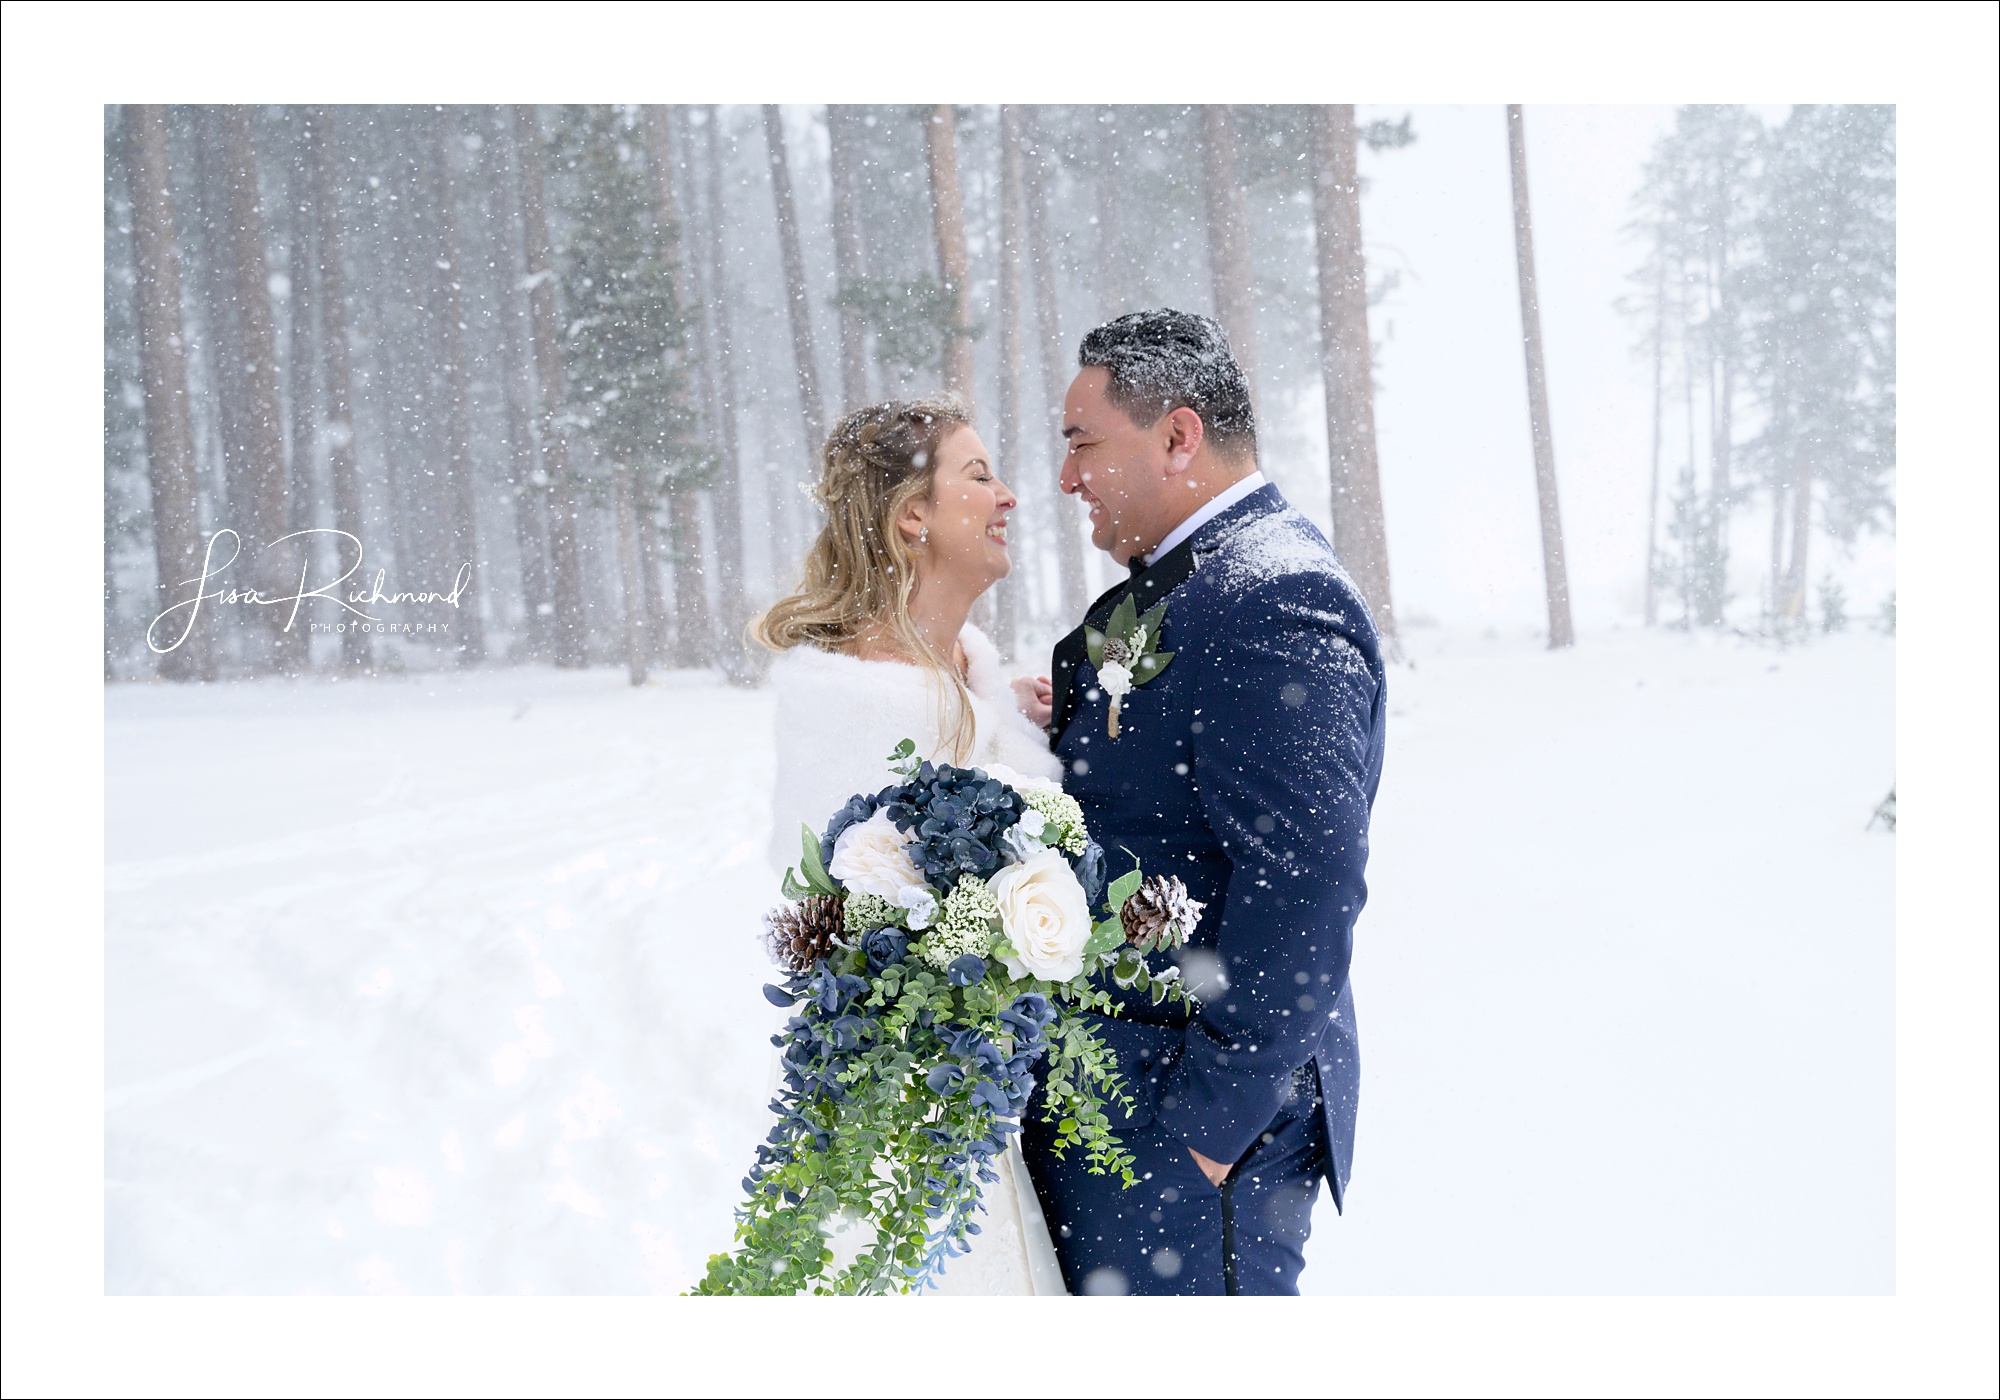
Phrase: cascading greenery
(903, 1079)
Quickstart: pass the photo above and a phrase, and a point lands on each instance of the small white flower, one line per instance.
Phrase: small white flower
(1031, 822)
(873, 857)
(921, 904)
(1022, 842)
(1115, 678)
(1139, 642)
(1045, 916)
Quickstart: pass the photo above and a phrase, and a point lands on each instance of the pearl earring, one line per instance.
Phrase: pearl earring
(924, 535)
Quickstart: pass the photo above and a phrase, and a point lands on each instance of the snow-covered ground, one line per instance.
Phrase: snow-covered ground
(450, 982)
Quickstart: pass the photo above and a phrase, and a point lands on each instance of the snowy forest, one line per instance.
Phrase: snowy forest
(432, 938)
(568, 367)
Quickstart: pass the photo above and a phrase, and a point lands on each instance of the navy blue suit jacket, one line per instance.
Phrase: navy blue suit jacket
(1248, 768)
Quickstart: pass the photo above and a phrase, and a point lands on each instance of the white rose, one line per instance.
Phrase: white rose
(873, 857)
(1115, 677)
(1045, 916)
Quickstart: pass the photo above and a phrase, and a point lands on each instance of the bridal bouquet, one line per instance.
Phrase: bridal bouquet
(937, 938)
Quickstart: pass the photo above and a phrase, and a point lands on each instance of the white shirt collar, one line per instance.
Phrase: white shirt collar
(1207, 511)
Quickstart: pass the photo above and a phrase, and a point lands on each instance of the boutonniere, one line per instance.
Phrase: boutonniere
(1124, 654)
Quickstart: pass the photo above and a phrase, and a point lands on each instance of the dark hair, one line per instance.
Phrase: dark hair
(1166, 359)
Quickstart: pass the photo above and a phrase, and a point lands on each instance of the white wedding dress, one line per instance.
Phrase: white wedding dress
(838, 720)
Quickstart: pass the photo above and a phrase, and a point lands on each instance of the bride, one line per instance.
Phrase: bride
(875, 647)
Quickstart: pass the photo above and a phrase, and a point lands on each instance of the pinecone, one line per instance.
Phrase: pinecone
(1159, 914)
(798, 935)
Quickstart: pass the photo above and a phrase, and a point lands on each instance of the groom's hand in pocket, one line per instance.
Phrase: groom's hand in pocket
(1215, 1171)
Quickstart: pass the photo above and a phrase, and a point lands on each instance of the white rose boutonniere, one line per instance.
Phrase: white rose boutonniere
(873, 857)
(1123, 653)
(1044, 916)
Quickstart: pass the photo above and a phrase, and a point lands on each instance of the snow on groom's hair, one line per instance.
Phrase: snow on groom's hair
(1166, 359)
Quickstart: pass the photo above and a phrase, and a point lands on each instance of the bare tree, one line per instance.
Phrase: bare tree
(948, 219)
(170, 463)
(263, 425)
(355, 653)
(572, 634)
(458, 394)
(810, 403)
(685, 555)
(1359, 534)
(737, 662)
(847, 258)
(1229, 239)
(1055, 358)
(1554, 571)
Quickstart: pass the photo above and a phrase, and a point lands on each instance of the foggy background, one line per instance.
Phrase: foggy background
(431, 957)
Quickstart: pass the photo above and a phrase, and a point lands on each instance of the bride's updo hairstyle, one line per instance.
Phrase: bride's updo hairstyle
(861, 571)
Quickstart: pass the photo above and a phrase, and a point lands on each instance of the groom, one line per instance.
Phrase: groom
(1247, 767)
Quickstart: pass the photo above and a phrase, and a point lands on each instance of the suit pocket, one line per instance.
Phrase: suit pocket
(1145, 1055)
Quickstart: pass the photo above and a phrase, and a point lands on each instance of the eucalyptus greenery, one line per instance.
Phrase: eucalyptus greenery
(903, 1080)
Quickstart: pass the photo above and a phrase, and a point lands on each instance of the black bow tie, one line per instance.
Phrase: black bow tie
(1137, 565)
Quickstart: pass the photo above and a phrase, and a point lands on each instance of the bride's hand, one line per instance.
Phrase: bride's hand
(1035, 698)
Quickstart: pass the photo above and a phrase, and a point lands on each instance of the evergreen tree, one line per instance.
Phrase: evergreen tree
(1821, 332)
(624, 341)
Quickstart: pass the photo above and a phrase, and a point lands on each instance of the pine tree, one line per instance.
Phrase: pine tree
(1821, 336)
(624, 349)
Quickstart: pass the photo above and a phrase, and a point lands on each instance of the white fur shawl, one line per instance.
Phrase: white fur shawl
(839, 717)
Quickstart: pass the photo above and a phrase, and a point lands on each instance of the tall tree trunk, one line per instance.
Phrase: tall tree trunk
(1114, 280)
(1780, 501)
(458, 396)
(1229, 239)
(847, 265)
(1554, 571)
(170, 464)
(1360, 535)
(631, 584)
(1696, 542)
(517, 394)
(948, 220)
(305, 405)
(383, 283)
(810, 404)
(1801, 502)
(572, 624)
(1063, 523)
(738, 664)
(1008, 594)
(223, 338)
(1659, 401)
(264, 432)
(685, 553)
(355, 653)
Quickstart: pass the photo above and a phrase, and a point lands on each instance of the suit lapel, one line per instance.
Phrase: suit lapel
(1147, 589)
(1153, 584)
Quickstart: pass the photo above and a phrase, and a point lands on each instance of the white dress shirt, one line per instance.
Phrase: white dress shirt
(1205, 512)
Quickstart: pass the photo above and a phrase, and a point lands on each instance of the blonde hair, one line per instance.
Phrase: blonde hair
(860, 571)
